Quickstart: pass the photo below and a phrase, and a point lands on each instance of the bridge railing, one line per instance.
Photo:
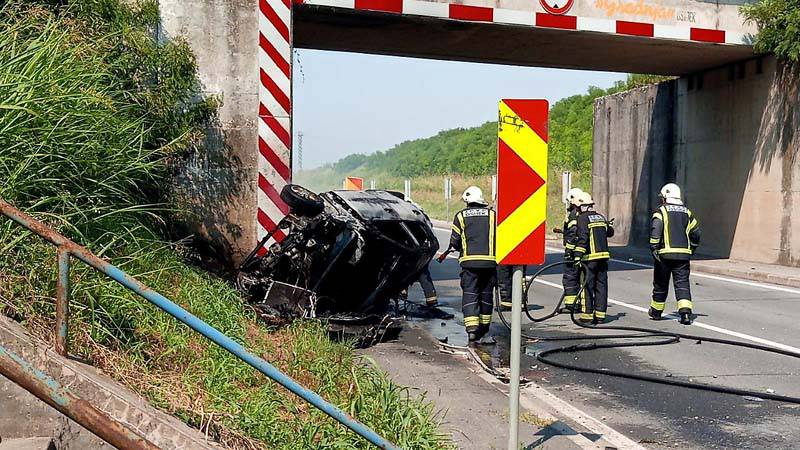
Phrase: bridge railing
(67, 249)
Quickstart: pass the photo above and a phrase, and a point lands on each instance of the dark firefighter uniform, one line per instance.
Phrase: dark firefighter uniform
(591, 250)
(674, 235)
(504, 277)
(473, 238)
(571, 278)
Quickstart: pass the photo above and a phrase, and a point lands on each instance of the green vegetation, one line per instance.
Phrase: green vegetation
(470, 155)
(93, 111)
(778, 27)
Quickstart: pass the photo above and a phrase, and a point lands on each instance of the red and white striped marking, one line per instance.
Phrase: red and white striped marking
(537, 19)
(275, 111)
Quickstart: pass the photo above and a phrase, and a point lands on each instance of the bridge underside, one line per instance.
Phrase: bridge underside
(344, 29)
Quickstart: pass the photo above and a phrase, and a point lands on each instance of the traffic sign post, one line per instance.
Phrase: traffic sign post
(521, 215)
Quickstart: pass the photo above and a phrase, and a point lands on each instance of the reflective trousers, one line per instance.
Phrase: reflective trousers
(428, 288)
(477, 286)
(596, 298)
(571, 283)
(679, 270)
(504, 277)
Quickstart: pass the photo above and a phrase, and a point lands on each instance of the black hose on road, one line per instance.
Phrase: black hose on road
(664, 338)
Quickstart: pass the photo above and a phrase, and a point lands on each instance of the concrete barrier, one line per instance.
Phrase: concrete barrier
(730, 137)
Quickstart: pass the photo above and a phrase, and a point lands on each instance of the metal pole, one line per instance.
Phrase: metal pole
(62, 301)
(516, 337)
(63, 400)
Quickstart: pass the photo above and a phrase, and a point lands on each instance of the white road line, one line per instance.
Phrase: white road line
(709, 276)
(714, 328)
(564, 409)
(698, 274)
(720, 330)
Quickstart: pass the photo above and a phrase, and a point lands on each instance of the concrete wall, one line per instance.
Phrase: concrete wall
(732, 148)
(633, 154)
(217, 184)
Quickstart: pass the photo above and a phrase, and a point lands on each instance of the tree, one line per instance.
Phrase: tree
(778, 24)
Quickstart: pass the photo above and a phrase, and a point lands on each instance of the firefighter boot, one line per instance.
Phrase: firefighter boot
(654, 314)
(686, 318)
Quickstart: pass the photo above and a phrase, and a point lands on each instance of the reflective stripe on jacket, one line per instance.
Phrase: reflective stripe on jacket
(674, 232)
(593, 231)
(473, 236)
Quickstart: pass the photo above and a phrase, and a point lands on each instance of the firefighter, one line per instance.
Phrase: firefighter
(504, 276)
(425, 280)
(473, 238)
(591, 252)
(674, 236)
(571, 278)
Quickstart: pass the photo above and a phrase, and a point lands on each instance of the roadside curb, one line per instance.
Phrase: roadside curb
(753, 274)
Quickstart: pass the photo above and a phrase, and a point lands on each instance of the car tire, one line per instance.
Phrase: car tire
(301, 201)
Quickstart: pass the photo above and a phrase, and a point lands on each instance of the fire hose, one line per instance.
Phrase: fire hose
(652, 338)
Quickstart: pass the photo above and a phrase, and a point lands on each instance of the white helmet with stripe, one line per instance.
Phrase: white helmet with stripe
(584, 199)
(473, 194)
(572, 196)
(670, 191)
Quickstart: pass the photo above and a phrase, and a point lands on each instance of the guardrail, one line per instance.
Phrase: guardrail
(67, 249)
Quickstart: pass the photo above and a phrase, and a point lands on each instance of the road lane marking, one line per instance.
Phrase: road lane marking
(709, 276)
(564, 409)
(720, 330)
(698, 274)
(714, 328)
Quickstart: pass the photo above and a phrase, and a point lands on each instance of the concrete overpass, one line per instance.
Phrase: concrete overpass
(253, 69)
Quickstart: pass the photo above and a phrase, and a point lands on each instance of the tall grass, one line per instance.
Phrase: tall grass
(92, 111)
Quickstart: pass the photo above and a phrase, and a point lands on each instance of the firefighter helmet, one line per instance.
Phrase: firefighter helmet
(584, 199)
(670, 190)
(473, 194)
(572, 196)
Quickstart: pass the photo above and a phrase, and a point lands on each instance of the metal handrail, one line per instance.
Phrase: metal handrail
(67, 248)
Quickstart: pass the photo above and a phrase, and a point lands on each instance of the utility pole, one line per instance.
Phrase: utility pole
(299, 151)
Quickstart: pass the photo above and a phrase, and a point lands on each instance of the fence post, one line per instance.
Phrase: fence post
(62, 301)
(566, 185)
(407, 189)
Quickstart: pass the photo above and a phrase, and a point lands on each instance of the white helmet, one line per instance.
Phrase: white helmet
(670, 191)
(473, 194)
(572, 196)
(584, 199)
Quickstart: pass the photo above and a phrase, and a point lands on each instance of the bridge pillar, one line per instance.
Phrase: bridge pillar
(227, 189)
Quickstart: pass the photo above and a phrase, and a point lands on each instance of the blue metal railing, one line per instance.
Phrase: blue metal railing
(67, 248)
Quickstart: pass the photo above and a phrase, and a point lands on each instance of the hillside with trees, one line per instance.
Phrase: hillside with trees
(472, 151)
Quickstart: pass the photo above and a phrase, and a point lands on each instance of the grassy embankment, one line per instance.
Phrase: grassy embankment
(93, 112)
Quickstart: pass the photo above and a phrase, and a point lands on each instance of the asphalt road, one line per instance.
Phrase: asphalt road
(659, 416)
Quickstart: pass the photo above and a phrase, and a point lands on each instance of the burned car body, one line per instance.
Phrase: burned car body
(346, 254)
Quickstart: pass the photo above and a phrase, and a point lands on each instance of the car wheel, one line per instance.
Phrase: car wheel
(302, 201)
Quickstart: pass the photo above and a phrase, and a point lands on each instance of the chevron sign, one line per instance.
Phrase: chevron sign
(521, 181)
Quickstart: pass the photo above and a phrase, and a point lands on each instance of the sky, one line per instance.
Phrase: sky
(348, 103)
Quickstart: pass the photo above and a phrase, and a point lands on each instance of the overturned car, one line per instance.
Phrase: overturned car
(344, 257)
